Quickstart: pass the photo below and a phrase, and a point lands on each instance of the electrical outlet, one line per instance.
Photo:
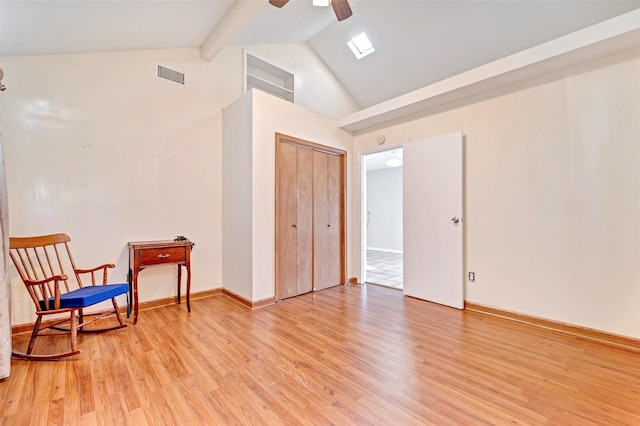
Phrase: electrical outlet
(472, 276)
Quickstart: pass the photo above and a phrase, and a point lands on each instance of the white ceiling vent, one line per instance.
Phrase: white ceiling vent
(169, 74)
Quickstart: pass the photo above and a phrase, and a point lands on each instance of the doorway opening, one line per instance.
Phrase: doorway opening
(382, 221)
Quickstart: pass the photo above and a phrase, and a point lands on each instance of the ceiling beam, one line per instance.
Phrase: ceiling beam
(238, 16)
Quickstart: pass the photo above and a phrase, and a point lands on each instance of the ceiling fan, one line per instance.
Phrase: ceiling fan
(340, 7)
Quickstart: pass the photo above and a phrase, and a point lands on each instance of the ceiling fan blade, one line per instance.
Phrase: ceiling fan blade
(278, 3)
(341, 8)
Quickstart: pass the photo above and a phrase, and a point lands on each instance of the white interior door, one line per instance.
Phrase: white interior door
(432, 214)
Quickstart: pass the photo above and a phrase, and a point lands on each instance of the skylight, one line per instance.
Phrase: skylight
(360, 46)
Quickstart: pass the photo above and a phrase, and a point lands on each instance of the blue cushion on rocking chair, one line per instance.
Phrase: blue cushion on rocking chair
(89, 295)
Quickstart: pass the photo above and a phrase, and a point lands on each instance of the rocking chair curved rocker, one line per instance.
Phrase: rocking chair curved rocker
(40, 261)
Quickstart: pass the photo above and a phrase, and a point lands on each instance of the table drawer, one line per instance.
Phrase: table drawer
(155, 256)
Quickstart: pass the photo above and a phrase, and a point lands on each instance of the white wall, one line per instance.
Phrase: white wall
(384, 209)
(552, 199)
(99, 148)
(250, 127)
(271, 115)
(237, 173)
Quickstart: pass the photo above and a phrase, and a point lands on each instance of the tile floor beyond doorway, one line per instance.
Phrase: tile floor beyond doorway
(384, 268)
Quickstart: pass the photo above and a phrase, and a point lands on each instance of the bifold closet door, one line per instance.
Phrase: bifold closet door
(294, 220)
(328, 253)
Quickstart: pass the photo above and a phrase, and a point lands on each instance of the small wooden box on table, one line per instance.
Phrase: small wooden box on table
(143, 254)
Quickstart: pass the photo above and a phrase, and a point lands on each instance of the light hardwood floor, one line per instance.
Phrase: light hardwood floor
(347, 355)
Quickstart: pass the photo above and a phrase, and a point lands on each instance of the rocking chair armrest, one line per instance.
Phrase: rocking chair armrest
(97, 268)
(45, 292)
(102, 269)
(56, 278)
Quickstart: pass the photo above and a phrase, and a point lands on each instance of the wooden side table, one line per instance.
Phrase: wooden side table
(143, 254)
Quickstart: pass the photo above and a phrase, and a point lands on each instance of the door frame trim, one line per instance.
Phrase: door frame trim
(363, 195)
(280, 137)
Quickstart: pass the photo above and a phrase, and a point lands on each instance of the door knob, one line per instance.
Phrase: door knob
(294, 225)
(455, 220)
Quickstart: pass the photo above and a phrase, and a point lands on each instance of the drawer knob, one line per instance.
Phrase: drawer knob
(163, 256)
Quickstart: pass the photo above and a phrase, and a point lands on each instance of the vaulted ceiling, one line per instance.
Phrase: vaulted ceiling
(417, 42)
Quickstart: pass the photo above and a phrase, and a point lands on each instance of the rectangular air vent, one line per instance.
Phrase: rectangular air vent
(169, 74)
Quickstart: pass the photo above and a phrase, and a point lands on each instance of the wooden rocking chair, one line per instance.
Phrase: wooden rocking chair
(40, 261)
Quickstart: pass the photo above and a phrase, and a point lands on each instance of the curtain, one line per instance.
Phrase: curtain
(5, 284)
